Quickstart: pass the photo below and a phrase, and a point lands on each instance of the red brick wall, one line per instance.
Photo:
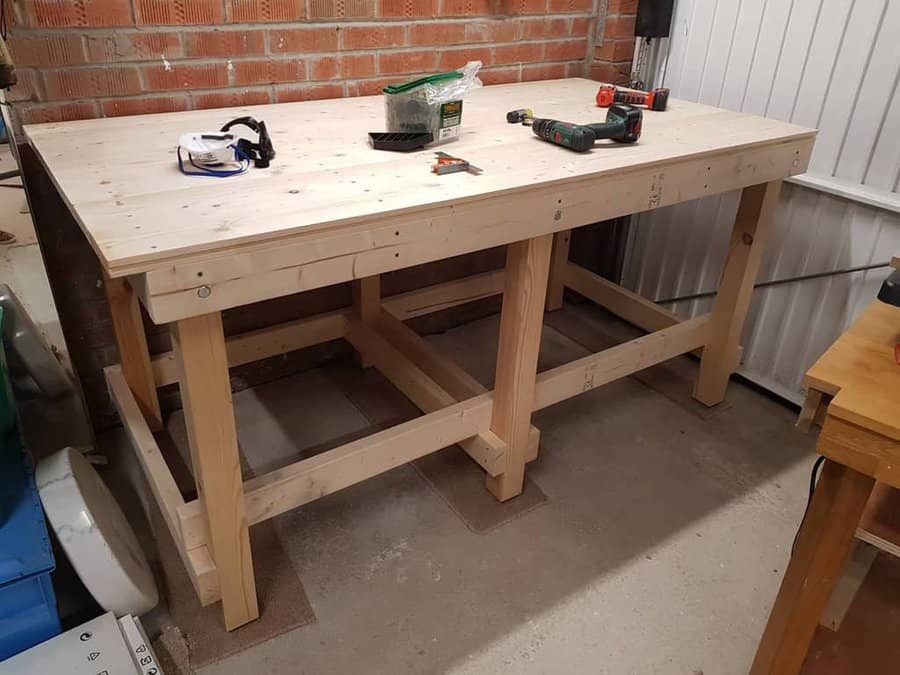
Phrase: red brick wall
(614, 47)
(89, 58)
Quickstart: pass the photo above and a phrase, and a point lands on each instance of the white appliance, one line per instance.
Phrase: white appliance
(103, 646)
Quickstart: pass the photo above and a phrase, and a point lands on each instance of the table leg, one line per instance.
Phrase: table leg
(367, 298)
(558, 261)
(367, 305)
(125, 310)
(811, 411)
(524, 292)
(748, 241)
(199, 346)
(821, 549)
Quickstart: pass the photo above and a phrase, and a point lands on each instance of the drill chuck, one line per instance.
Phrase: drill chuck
(576, 137)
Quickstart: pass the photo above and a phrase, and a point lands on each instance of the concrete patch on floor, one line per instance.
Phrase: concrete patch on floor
(474, 346)
(14, 214)
(21, 264)
(450, 472)
(284, 421)
(277, 422)
(49, 425)
(660, 550)
(590, 326)
(23, 269)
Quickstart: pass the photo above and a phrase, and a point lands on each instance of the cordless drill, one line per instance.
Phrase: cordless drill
(623, 124)
(654, 100)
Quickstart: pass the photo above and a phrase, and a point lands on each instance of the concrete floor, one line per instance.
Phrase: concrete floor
(660, 549)
(48, 426)
(21, 265)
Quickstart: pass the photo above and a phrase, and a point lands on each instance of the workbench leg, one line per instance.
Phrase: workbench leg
(812, 410)
(125, 309)
(822, 547)
(748, 240)
(856, 569)
(367, 305)
(558, 262)
(524, 292)
(199, 347)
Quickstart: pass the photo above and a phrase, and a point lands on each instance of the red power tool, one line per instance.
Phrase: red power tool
(655, 100)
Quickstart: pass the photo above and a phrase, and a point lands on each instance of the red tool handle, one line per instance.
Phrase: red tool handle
(655, 100)
(633, 97)
(606, 95)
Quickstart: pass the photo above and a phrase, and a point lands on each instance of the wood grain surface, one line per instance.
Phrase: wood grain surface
(859, 369)
(120, 179)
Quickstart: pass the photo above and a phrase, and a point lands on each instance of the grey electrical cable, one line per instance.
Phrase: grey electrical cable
(779, 282)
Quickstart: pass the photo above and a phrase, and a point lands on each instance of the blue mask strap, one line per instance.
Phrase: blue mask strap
(215, 173)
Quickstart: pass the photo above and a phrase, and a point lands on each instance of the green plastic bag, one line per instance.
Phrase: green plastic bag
(430, 104)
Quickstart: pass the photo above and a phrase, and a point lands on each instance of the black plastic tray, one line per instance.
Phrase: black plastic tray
(890, 290)
(399, 141)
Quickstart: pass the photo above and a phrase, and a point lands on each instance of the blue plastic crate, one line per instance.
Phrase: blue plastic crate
(29, 614)
(27, 603)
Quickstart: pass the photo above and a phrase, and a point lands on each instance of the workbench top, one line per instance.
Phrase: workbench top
(120, 178)
(860, 371)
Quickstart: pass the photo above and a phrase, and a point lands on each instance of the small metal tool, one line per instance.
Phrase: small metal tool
(520, 116)
(449, 164)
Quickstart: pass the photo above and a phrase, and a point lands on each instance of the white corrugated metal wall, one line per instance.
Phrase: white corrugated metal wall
(830, 64)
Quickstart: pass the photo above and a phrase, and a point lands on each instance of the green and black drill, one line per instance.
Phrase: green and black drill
(623, 124)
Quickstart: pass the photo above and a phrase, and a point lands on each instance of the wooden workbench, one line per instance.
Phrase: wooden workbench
(860, 439)
(329, 210)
